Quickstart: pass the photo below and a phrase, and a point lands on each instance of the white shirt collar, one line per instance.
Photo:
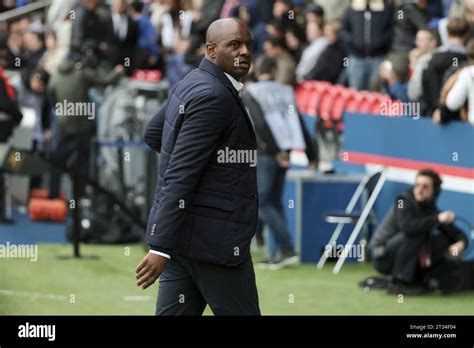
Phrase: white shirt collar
(237, 84)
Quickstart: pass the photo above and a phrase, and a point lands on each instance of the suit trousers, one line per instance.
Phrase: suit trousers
(186, 286)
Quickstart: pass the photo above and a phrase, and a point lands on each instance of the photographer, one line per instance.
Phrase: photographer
(415, 237)
(10, 117)
(75, 112)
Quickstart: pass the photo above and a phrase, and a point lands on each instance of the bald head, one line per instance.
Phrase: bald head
(229, 45)
(221, 27)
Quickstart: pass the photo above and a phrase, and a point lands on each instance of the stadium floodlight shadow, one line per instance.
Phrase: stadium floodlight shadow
(371, 184)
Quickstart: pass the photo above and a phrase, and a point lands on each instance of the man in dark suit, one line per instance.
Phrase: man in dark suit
(206, 205)
(124, 37)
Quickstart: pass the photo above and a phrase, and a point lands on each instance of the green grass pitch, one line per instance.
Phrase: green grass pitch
(106, 286)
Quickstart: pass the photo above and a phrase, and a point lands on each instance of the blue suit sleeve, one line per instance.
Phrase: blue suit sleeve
(204, 123)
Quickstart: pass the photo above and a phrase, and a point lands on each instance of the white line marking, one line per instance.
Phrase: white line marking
(138, 298)
(33, 295)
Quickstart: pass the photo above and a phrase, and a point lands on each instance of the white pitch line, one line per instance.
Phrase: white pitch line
(33, 295)
(132, 298)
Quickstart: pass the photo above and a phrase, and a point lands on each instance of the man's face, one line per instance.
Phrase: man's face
(119, 6)
(469, 7)
(313, 31)
(424, 41)
(423, 189)
(280, 9)
(233, 51)
(91, 5)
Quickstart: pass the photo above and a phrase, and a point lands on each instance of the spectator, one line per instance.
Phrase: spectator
(314, 13)
(228, 10)
(175, 24)
(459, 9)
(409, 18)
(317, 44)
(91, 27)
(415, 232)
(426, 42)
(54, 54)
(285, 14)
(334, 9)
(275, 30)
(176, 66)
(124, 37)
(10, 117)
(367, 33)
(248, 13)
(33, 41)
(31, 93)
(7, 5)
(14, 49)
(463, 89)
(59, 12)
(279, 129)
(146, 54)
(266, 9)
(444, 59)
(285, 74)
(331, 62)
(294, 43)
(394, 79)
(203, 17)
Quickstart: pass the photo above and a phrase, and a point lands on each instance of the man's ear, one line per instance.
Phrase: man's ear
(211, 50)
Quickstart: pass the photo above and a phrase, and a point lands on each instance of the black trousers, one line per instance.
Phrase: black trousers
(401, 257)
(186, 286)
(67, 146)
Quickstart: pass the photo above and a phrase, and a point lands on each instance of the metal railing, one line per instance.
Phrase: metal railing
(24, 10)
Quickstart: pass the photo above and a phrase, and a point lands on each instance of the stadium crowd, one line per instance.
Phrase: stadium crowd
(414, 51)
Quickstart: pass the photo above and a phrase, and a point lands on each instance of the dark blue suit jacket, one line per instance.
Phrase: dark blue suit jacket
(204, 208)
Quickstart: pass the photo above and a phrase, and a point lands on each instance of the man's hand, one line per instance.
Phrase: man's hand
(456, 249)
(119, 69)
(313, 166)
(283, 159)
(436, 118)
(446, 217)
(150, 269)
(47, 135)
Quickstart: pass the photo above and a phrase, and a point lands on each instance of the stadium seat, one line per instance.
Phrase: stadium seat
(43, 209)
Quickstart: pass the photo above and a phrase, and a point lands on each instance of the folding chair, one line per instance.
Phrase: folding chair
(371, 184)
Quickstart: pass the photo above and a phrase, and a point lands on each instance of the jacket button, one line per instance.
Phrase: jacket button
(153, 228)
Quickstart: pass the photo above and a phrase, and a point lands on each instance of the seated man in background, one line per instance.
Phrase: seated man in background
(415, 237)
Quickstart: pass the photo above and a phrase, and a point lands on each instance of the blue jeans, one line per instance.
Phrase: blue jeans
(270, 181)
(363, 72)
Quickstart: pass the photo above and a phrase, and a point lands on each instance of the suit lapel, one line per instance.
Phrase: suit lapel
(210, 67)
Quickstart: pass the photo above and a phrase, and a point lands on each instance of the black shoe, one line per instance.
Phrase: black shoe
(399, 288)
(285, 261)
